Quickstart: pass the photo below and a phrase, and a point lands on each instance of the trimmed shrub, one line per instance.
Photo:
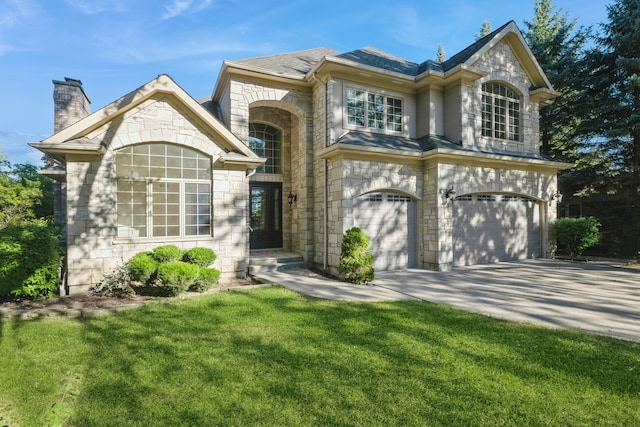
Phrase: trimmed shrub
(574, 235)
(202, 257)
(167, 253)
(356, 260)
(177, 277)
(30, 259)
(207, 277)
(142, 267)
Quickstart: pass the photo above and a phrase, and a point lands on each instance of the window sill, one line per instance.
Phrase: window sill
(156, 240)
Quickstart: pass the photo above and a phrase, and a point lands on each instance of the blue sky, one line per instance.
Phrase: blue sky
(115, 46)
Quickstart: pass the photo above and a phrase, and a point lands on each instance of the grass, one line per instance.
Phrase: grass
(273, 357)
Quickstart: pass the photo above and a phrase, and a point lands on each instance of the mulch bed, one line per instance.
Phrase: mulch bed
(90, 300)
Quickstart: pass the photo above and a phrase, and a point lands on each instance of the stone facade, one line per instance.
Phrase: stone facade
(327, 162)
(92, 244)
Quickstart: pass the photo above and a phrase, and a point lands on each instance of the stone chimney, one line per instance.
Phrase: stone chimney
(70, 101)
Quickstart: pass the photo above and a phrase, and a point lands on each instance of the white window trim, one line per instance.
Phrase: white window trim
(373, 91)
(149, 181)
(508, 133)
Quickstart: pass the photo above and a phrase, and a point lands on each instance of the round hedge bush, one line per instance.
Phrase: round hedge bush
(142, 267)
(167, 253)
(207, 277)
(202, 257)
(177, 277)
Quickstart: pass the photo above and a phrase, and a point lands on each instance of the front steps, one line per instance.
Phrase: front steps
(269, 262)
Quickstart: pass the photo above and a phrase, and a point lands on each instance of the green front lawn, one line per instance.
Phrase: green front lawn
(275, 358)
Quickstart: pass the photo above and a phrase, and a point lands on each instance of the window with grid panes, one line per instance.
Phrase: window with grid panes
(500, 112)
(373, 110)
(163, 190)
(266, 142)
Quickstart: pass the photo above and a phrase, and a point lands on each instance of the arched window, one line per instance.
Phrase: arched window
(163, 190)
(500, 112)
(266, 141)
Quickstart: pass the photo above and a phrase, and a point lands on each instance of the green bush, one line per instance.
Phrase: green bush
(207, 277)
(202, 257)
(30, 259)
(167, 253)
(356, 260)
(574, 235)
(177, 277)
(142, 267)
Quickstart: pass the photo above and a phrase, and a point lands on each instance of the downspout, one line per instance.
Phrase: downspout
(325, 204)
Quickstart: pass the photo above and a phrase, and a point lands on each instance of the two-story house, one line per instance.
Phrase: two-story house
(437, 162)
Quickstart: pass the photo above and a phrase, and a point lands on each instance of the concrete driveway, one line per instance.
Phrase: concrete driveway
(593, 297)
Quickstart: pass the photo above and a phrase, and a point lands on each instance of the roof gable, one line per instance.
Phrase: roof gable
(512, 35)
(163, 86)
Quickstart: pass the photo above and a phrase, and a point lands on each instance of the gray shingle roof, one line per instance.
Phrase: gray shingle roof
(398, 143)
(377, 58)
(462, 56)
(295, 64)
(298, 64)
(420, 145)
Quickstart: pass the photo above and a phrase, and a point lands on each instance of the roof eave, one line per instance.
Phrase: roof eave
(331, 64)
(445, 154)
(57, 149)
(238, 161)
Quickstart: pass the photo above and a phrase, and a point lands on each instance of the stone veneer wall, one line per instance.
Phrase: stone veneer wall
(500, 64)
(322, 135)
(92, 246)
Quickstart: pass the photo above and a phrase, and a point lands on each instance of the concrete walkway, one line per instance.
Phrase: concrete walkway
(599, 298)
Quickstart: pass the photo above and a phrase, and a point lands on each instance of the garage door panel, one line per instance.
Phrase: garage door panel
(492, 228)
(388, 220)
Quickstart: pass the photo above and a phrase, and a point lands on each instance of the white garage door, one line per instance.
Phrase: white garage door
(491, 227)
(389, 221)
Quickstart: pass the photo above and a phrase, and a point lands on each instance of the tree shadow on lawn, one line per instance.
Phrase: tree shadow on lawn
(270, 356)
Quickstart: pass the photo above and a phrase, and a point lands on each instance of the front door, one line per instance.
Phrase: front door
(266, 215)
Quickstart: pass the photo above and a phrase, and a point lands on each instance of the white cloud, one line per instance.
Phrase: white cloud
(182, 7)
(94, 7)
(177, 8)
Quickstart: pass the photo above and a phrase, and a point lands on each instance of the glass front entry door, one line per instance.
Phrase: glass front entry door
(266, 215)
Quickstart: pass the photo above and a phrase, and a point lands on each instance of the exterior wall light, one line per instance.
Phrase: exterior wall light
(557, 195)
(450, 193)
(292, 198)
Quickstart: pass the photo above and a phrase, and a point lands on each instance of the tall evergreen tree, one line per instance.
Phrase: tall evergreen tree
(613, 96)
(484, 30)
(559, 47)
(441, 56)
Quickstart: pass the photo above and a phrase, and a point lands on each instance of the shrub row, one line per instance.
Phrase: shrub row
(168, 268)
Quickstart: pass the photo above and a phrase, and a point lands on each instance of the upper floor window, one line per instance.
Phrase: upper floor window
(500, 112)
(373, 110)
(266, 141)
(163, 190)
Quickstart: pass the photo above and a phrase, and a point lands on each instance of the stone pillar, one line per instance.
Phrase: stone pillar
(70, 101)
